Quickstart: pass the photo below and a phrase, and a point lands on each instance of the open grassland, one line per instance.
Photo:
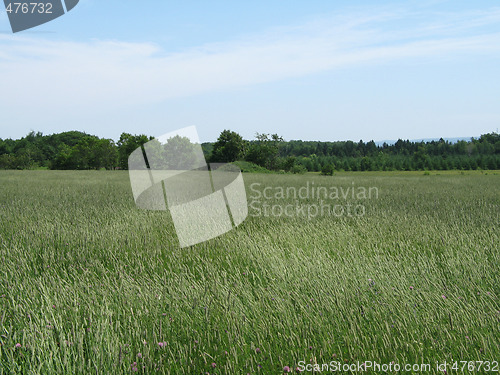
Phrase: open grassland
(90, 284)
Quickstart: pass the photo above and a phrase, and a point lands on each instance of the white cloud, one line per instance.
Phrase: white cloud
(39, 75)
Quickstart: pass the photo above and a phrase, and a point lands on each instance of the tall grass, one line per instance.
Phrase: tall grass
(90, 284)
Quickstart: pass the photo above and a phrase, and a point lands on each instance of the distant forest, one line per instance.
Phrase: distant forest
(81, 151)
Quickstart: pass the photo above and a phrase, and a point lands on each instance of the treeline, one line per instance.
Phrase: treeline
(272, 152)
(78, 150)
(68, 150)
(481, 153)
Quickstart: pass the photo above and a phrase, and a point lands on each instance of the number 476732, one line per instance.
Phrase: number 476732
(32, 8)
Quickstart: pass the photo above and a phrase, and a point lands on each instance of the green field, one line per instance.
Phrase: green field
(90, 284)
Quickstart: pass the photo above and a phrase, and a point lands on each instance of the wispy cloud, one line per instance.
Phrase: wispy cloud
(102, 74)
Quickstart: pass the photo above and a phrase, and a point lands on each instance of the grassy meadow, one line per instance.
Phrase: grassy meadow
(90, 284)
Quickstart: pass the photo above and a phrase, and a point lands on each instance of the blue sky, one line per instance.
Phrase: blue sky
(315, 70)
